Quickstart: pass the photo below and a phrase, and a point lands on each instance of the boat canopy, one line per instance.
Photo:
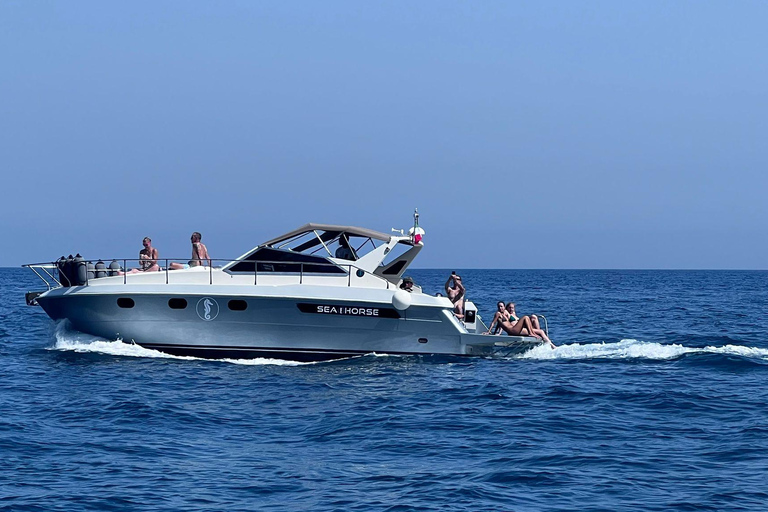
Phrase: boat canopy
(319, 248)
(329, 229)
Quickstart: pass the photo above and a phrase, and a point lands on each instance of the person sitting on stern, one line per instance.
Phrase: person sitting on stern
(523, 326)
(501, 314)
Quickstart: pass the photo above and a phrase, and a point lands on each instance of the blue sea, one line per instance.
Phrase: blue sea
(655, 399)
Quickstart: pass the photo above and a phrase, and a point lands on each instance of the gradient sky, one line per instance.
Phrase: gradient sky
(529, 134)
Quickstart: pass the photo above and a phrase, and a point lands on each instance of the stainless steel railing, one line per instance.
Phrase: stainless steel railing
(51, 269)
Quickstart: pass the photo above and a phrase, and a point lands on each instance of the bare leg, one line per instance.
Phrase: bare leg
(544, 336)
(520, 328)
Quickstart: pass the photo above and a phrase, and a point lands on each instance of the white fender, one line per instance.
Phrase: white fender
(401, 300)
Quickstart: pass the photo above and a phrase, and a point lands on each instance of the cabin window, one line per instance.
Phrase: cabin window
(125, 302)
(279, 261)
(238, 305)
(177, 303)
(396, 268)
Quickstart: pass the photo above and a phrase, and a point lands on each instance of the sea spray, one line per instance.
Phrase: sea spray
(70, 340)
(635, 349)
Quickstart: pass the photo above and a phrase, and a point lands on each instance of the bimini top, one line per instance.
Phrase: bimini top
(329, 249)
(330, 229)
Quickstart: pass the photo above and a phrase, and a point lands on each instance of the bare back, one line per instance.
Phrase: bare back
(199, 254)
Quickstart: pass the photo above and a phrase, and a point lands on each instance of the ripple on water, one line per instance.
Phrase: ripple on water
(621, 416)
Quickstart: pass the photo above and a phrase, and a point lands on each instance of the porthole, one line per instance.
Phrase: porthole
(360, 272)
(177, 303)
(125, 302)
(237, 305)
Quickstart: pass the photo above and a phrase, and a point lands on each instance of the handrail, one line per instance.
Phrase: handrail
(546, 324)
(167, 261)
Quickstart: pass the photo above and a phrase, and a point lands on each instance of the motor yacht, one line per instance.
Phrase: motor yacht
(319, 292)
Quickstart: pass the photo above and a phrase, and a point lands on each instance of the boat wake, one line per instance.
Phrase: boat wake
(634, 349)
(74, 341)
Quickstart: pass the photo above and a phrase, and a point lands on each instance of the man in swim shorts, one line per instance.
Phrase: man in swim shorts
(199, 254)
(455, 291)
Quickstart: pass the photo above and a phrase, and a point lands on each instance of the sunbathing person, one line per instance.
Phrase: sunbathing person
(501, 314)
(523, 326)
(199, 254)
(534, 318)
(147, 258)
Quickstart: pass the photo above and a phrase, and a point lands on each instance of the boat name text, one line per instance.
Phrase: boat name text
(335, 309)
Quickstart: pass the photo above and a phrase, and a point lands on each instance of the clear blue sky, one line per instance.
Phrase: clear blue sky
(529, 134)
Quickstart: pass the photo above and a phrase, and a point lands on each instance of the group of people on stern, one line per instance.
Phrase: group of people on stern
(505, 320)
(149, 256)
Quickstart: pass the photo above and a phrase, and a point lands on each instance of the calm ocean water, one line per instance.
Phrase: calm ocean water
(655, 399)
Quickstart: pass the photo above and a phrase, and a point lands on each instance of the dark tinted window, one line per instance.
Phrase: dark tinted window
(177, 303)
(396, 268)
(275, 260)
(125, 302)
(238, 305)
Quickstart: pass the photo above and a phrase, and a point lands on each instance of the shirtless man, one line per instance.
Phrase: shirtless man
(199, 254)
(455, 291)
(147, 258)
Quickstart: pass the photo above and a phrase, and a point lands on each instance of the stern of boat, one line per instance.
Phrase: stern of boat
(498, 346)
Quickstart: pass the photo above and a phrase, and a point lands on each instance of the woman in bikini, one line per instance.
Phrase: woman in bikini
(501, 314)
(522, 326)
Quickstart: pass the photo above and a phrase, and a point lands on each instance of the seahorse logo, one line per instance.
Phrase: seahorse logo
(207, 305)
(207, 309)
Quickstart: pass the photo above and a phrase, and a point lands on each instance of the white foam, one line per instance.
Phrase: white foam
(634, 349)
(67, 340)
